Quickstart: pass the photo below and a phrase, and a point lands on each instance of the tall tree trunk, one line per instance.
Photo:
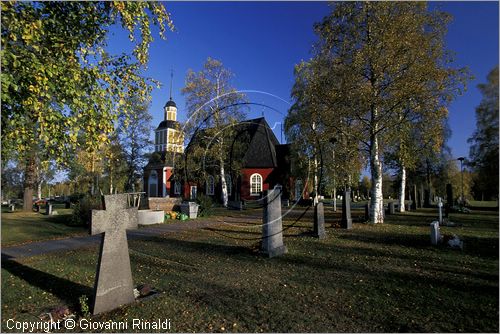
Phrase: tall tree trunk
(334, 196)
(39, 190)
(377, 199)
(402, 188)
(29, 181)
(224, 195)
(316, 197)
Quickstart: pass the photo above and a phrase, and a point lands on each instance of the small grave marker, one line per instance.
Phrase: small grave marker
(440, 207)
(392, 208)
(113, 285)
(346, 221)
(319, 221)
(435, 233)
(414, 199)
(48, 209)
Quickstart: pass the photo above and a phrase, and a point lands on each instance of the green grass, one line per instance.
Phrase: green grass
(21, 227)
(384, 278)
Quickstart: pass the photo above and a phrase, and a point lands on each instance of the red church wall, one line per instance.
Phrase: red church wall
(168, 174)
(245, 180)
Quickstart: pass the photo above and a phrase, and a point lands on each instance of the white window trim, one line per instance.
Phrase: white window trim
(153, 181)
(191, 192)
(251, 184)
(177, 188)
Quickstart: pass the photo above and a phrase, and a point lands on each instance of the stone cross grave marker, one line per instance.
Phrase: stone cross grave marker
(346, 221)
(113, 284)
(272, 226)
(440, 207)
(319, 221)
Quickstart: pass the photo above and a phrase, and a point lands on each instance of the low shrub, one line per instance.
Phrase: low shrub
(206, 207)
(82, 211)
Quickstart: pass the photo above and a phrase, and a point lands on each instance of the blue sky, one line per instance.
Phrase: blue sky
(260, 42)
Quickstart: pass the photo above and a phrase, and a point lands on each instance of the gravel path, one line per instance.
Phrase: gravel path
(43, 247)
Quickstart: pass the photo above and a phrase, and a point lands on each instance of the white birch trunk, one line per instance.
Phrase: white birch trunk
(316, 197)
(334, 197)
(377, 199)
(224, 185)
(402, 189)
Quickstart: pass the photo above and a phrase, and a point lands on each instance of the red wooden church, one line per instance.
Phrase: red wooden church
(263, 163)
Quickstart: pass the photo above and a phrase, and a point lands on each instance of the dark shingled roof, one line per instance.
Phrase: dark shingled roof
(261, 152)
(168, 124)
(170, 103)
(256, 144)
(162, 159)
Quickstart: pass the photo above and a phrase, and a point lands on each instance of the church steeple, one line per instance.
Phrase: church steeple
(170, 107)
(168, 134)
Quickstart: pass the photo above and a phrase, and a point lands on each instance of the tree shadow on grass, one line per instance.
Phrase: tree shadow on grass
(416, 241)
(65, 290)
(201, 247)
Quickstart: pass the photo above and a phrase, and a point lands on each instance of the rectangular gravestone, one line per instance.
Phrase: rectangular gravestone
(319, 221)
(440, 208)
(346, 221)
(392, 208)
(12, 207)
(414, 198)
(48, 209)
(272, 226)
(435, 233)
(113, 284)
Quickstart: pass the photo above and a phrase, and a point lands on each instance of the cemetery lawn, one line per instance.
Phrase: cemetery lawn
(21, 227)
(384, 278)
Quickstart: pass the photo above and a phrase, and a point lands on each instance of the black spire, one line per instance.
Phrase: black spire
(171, 103)
(171, 80)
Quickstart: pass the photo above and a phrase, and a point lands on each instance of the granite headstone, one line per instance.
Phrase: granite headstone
(392, 208)
(113, 284)
(272, 226)
(346, 221)
(435, 233)
(319, 221)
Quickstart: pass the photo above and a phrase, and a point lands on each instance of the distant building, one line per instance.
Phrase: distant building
(169, 142)
(262, 163)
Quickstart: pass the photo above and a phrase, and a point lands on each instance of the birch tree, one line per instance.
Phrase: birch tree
(60, 87)
(484, 141)
(215, 106)
(387, 60)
